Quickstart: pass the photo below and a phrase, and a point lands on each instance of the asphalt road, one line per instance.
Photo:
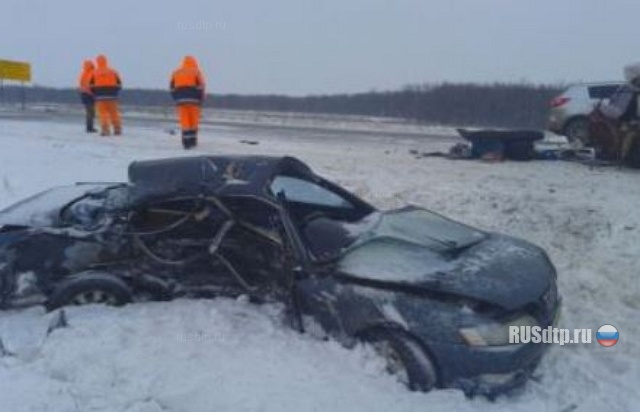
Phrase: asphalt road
(243, 131)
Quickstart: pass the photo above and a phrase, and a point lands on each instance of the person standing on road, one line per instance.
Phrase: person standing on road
(105, 85)
(86, 96)
(188, 90)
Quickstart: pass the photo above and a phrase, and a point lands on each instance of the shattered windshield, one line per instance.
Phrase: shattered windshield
(388, 259)
(43, 208)
(65, 205)
(94, 205)
(422, 227)
(408, 244)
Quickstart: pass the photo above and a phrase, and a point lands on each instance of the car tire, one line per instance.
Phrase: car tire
(577, 129)
(405, 357)
(90, 288)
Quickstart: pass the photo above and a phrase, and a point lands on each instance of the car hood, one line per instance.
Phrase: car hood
(416, 248)
(43, 209)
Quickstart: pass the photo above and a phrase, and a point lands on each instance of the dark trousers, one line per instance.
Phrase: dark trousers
(89, 111)
(90, 116)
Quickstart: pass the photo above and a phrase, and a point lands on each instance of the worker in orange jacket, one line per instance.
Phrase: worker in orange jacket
(105, 85)
(86, 96)
(187, 89)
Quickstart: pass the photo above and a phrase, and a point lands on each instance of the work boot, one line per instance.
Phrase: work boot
(105, 131)
(189, 139)
(117, 130)
(194, 138)
(188, 142)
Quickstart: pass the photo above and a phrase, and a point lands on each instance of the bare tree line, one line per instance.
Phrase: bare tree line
(491, 105)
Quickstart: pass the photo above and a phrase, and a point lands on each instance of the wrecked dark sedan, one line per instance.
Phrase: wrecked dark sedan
(434, 296)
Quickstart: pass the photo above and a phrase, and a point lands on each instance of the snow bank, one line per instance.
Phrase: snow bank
(196, 356)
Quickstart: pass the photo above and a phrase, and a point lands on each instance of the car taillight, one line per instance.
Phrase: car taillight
(560, 101)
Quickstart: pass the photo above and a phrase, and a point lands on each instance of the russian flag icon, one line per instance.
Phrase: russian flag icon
(607, 336)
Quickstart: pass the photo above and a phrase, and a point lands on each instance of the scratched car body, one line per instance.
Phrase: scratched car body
(434, 296)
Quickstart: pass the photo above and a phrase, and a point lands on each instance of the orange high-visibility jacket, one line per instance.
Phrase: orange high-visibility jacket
(187, 83)
(105, 82)
(85, 77)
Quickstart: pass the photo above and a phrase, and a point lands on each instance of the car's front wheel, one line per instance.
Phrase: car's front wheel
(90, 288)
(405, 358)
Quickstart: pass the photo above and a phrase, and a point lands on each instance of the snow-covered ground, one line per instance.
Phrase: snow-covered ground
(226, 355)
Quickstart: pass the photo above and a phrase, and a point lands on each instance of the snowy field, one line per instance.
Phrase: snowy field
(226, 355)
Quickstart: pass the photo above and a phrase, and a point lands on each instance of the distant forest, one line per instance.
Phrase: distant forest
(497, 105)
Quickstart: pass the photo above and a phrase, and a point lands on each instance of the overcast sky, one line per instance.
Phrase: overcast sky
(310, 46)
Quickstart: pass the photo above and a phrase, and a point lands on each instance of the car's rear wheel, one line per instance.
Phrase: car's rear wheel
(577, 130)
(405, 358)
(90, 288)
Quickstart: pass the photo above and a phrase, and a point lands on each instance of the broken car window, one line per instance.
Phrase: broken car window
(302, 191)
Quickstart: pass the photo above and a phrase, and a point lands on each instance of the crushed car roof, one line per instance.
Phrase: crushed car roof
(210, 175)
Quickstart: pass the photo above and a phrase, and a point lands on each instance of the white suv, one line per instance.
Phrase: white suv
(570, 111)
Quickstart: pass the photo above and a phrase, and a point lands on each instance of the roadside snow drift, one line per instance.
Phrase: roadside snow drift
(226, 355)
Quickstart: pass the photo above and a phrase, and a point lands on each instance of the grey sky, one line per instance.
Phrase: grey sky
(304, 46)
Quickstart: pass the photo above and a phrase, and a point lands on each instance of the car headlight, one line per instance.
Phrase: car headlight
(494, 334)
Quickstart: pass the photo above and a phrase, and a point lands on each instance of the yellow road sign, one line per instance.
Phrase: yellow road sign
(11, 70)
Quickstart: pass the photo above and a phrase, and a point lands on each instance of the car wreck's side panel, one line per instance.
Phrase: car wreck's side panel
(337, 307)
(346, 309)
(36, 259)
